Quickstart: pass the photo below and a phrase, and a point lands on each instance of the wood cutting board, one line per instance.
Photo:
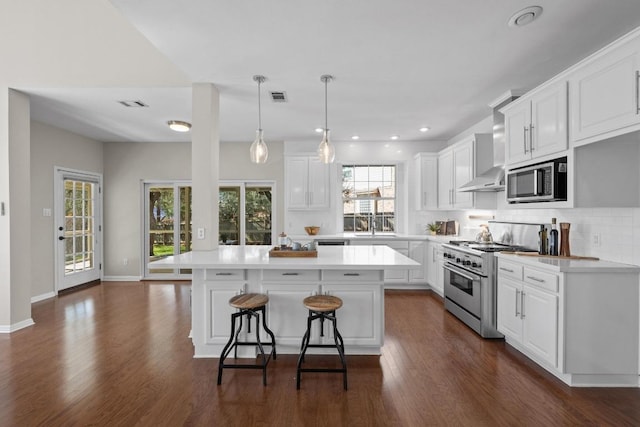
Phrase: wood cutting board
(534, 254)
(286, 253)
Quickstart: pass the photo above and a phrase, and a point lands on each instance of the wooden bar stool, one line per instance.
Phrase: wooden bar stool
(249, 305)
(322, 307)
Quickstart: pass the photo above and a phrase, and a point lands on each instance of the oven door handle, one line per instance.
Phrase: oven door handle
(462, 273)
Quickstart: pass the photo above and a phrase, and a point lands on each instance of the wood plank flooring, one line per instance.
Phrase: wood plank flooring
(117, 354)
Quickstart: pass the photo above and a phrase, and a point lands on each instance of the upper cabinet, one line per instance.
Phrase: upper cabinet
(426, 192)
(536, 124)
(306, 183)
(457, 165)
(604, 95)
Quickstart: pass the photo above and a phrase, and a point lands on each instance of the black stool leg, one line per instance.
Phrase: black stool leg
(340, 346)
(268, 331)
(227, 348)
(303, 349)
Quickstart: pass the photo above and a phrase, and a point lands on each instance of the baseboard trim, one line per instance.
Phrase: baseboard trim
(43, 297)
(7, 329)
(121, 278)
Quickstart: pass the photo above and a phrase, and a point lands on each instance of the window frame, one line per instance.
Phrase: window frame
(372, 199)
(243, 184)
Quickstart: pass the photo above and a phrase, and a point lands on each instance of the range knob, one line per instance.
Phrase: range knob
(457, 260)
(466, 262)
(475, 264)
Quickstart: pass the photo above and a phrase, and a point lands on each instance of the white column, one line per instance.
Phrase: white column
(205, 160)
(15, 224)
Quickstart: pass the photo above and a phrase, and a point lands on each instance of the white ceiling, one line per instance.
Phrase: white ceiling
(398, 65)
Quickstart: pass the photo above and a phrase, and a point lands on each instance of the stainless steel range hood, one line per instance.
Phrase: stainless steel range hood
(493, 179)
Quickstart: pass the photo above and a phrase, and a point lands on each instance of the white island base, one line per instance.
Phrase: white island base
(353, 273)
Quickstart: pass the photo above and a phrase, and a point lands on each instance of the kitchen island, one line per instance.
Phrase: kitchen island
(353, 273)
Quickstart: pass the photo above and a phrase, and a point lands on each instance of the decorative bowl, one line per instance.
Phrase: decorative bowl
(312, 230)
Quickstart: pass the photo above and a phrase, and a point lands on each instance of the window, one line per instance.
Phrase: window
(246, 212)
(369, 197)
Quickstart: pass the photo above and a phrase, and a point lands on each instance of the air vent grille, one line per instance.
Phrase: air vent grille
(279, 96)
(134, 104)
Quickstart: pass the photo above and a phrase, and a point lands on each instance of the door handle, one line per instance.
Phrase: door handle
(522, 305)
(531, 138)
(637, 95)
(517, 298)
(525, 139)
(61, 237)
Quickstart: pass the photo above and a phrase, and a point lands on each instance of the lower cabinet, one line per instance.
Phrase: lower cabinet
(219, 287)
(418, 253)
(529, 316)
(360, 319)
(580, 324)
(402, 278)
(434, 264)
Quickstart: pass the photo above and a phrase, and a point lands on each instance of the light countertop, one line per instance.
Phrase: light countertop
(257, 257)
(377, 236)
(571, 265)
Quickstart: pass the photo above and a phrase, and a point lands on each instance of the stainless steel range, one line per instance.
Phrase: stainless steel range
(470, 282)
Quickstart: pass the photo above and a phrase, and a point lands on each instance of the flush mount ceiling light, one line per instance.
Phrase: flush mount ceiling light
(525, 16)
(326, 150)
(259, 151)
(179, 126)
(394, 137)
(355, 137)
(425, 129)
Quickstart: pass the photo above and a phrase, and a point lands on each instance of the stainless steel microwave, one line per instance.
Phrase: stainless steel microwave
(541, 182)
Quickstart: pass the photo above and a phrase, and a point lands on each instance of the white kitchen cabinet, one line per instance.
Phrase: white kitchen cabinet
(392, 276)
(418, 252)
(536, 124)
(306, 183)
(220, 286)
(435, 262)
(578, 321)
(604, 94)
(361, 325)
(529, 315)
(426, 190)
(286, 314)
(458, 165)
(445, 179)
(360, 291)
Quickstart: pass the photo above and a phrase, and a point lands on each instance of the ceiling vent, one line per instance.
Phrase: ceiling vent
(135, 104)
(278, 96)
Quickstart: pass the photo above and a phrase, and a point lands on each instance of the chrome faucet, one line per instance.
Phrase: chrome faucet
(373, 225)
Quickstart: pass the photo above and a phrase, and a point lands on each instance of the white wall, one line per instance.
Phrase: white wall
(126, 165)
(51, 147)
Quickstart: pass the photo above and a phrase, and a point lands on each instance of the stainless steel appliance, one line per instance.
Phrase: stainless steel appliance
(541, 182)
(470, 281)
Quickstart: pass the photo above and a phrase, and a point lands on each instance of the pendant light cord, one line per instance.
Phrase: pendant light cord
(326, 80)
(259, 107)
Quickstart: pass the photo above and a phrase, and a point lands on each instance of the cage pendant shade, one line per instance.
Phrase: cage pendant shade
(326, 150)
(259, 152)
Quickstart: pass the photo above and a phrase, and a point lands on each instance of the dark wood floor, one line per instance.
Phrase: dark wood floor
(117, 354)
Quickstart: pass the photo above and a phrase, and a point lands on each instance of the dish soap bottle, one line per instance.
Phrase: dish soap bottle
(553, 238)
(542, 240)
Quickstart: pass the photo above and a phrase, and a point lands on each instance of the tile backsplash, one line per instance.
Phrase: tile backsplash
(612, 234)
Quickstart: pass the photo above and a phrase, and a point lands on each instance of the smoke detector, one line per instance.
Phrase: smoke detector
(525, 16)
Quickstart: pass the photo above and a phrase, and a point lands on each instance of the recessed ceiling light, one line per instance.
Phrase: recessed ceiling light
(394, 137)
(425, 129)
(354, 137)
(525, 16)
(179, 126)
(386, 145)
(319, 130)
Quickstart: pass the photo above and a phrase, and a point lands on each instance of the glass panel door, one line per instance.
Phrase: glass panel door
(78, 254)
(258, 211)
(167, 225)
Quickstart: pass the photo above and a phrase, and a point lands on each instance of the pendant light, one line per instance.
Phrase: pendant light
(259, 151)
(326, 150)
